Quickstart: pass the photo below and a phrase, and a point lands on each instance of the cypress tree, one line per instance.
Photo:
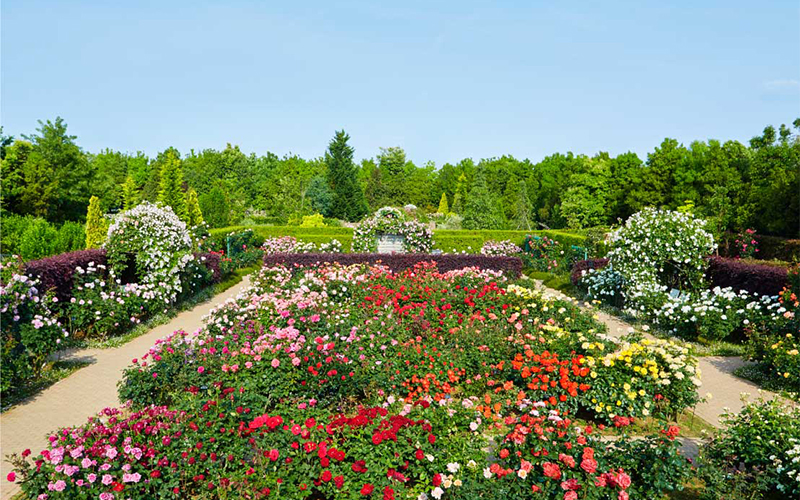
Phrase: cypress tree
(443, 208)
(129, 194)
(96, 225)
(482, 210)
(171, 187)
(194, 216)
(348, 200)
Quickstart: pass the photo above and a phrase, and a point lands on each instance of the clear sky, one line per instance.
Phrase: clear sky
(443, 80)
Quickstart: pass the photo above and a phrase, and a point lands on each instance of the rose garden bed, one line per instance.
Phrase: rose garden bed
(355, 382)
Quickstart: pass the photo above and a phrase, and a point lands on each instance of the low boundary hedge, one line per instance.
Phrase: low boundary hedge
(396, 262)
(55, 273)
(448, 240)
(755, 278)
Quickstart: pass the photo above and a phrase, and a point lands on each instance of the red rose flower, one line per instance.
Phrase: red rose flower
(419, 455)
(437, 479)
(339, 482)
(388, 493)
(367, 489)
(326, 476)
(589, 465)
(431, 438)
(551, 470)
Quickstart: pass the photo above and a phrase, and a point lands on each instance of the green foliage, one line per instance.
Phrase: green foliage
(741, 460)
(194, 216)
(443, 208)
(319, 195)
(215, 209)
(482, 210)
(348, 201)
(71, 237)
(171, 186)
(40, 186)
(59, 173)
(585, 204)
(733, 185)
(316, 220)
(96, 224)
(37, 240)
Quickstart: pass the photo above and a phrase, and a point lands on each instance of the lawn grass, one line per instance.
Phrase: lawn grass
(692, 426)
(560, 282)
(59, 370)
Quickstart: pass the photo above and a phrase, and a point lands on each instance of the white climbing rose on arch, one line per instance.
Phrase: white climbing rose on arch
(160, 243)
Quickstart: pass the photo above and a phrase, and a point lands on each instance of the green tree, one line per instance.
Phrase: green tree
(460, 196)
(319, 195)
(348, 201)
(443, 208)
(69, 172)
(375, 191)
(482, 210)
(12, 175)
(392, 163)
(171, 186)
(194, 216)
(215, 209)
(585, 204)
(96, 224)
(130, 197)
(40, 187)
(110, 169)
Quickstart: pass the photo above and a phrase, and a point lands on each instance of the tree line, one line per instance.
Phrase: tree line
(755, 185)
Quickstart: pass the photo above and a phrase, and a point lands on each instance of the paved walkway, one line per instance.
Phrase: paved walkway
(716, 371)
(87, 391)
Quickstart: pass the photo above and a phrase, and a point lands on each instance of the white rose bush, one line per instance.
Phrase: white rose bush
(158, 241)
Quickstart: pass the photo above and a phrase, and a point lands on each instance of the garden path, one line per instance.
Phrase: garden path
(716, 371)
(87, 391)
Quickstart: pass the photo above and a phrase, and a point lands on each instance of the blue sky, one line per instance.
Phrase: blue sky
(443, 80)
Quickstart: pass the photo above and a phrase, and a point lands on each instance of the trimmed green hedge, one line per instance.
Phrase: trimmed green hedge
(447, 239)
(444, 239)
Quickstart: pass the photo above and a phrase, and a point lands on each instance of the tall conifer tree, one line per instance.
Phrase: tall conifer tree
(170, 191)
(348, 200)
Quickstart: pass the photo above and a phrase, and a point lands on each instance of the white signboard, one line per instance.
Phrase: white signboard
(390, 243)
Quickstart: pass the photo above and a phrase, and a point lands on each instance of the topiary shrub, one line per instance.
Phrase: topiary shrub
(96, 224)
(160, 243)
(316, 220)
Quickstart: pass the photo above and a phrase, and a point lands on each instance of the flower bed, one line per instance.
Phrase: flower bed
(361, 382)
(512, 266)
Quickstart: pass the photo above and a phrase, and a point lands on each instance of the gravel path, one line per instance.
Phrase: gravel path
(87, 391)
